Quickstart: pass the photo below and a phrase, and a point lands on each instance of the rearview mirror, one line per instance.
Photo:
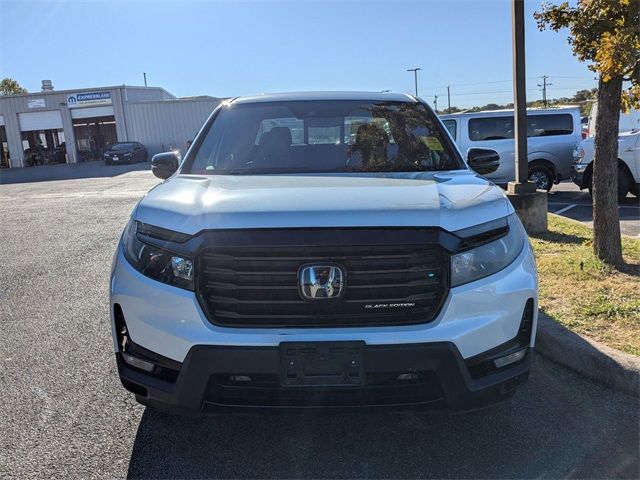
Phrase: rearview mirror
(163, 165)
(483, 160)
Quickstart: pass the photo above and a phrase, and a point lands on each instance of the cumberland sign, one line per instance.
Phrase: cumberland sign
(89, 99)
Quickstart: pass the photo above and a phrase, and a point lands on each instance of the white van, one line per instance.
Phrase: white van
(553, 134)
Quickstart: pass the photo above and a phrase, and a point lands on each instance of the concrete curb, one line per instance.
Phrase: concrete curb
(605, 365)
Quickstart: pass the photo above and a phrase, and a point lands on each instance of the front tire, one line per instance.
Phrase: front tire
(542, 176)
(624, 185)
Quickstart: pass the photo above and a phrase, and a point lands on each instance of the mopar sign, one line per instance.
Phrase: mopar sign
(89, 99)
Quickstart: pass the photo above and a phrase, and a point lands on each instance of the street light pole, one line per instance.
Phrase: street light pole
(519, 92)
(529, 204)
(415, 77)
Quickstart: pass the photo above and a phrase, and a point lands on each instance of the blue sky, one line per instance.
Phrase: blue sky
(235, 48)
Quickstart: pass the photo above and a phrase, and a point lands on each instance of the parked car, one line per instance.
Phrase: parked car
(280, 270)
(552, 136)
(584, 124)
(628, 164)
(126, 152)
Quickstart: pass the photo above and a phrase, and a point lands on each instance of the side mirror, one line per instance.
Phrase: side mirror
(483, 160)
(163, 165)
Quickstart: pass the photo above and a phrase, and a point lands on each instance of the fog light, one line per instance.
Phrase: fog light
(138, 362)
(509, 359)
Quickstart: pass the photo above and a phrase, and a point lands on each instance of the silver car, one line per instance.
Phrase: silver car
(552, 136)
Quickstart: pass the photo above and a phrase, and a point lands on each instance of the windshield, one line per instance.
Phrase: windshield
(122, 146)
(323, 136)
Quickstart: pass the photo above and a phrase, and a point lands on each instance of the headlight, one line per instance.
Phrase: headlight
(156, 263)
(490, 258)
(128, 154)
(578, 154)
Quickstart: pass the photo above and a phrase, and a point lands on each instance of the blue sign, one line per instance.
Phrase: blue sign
(89, 99)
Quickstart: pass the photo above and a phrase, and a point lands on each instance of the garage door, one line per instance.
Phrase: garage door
(47, 120)
(1, 120)
(92, 112)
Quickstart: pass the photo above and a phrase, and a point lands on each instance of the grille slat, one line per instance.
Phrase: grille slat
(385, 285)
(234, 300)
(265, 268)
(211, 256)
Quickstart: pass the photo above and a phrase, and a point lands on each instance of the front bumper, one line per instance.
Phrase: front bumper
(578, 174)
(478, 319)
(120, 159)
(215, 378)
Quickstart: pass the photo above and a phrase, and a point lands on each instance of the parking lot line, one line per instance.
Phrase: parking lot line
(565, 209)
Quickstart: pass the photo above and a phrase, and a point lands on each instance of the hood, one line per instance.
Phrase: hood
(622, 136)
(588, 144)
(452, 200)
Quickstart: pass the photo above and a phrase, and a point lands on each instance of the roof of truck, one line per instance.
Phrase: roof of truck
(296, 96)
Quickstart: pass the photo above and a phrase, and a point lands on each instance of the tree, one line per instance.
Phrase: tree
(584, 95)
(607, 34)
(9, 86)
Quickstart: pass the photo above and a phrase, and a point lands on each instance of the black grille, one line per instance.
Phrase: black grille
(381, 389)
(385, 285)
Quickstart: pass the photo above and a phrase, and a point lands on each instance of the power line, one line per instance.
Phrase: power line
(498, 81)
(491, 92)
(566, 76)
(482, 93)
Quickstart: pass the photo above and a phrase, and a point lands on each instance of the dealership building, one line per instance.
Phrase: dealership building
(71, 126)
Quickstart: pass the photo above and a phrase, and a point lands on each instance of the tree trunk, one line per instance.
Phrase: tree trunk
(606, 222)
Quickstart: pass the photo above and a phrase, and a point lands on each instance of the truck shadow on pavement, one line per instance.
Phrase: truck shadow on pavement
(557, 425)
(46, 173)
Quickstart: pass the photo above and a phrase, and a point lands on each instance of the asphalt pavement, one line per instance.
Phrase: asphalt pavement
(567, 200)
(64, 413)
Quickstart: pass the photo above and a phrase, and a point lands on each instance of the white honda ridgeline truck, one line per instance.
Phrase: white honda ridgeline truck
(323, 250)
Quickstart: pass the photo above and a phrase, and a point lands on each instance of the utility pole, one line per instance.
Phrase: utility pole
(435, 102)
(449, 98)
(544, 89)
(144, 74)
(530, 205)
(520, 93)
(415, 77)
